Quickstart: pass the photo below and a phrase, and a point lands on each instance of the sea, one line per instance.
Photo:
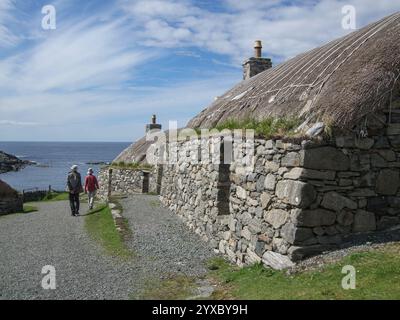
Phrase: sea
(54, 160)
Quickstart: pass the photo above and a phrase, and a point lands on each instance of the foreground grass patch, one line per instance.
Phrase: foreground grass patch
(29, 209)
(175, 288)
(378, 277)
(100, 225)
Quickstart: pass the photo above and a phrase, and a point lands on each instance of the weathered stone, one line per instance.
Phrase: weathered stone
(388, 155)
(292, 159)
(294, 235)
(364, 221)
(241, 193)
(314, 218)
(255, 225)
(388, 222)
(295, 192)
(364, 144)
(330, 239)
(270, 182)
(297, 173)
(319, 231)
(259, 248)
(393, 129)
(260, 183)
(362, 193)
(276, 260)
(324, 158)
(271, 166)
(388, 182)
(276, 217)
(245, 233)
(336, 202)
(377, 161)
(382, 143)
(253, 258)
(345, 218)
(265, 199)
(345, 141)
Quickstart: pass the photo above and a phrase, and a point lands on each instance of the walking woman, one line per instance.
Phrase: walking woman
(91, 186)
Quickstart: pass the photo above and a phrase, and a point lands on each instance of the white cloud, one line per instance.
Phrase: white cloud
(7, 38)
(18, 123)
(286, 29)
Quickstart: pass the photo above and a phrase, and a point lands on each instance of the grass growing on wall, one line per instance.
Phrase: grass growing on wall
(378, 277)
(99, 223)
(131, 165)
(266, 128)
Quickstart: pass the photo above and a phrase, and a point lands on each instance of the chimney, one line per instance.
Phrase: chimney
(153, 125)
(256, 64)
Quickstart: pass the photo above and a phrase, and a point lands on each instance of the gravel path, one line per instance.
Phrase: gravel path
(162, 246)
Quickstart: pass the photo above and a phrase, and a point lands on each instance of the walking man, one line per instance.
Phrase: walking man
(74, 183)
(91, 186)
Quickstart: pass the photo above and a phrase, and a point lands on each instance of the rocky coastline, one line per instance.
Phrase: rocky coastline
(9, 162)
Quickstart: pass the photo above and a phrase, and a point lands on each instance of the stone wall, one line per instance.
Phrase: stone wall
(299, 199)
(125, 181)
(11, 205)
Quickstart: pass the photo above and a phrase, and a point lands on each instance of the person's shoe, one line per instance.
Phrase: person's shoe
(76, 214)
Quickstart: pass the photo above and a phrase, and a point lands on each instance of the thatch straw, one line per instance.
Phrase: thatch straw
(338, 83)
(6, 191)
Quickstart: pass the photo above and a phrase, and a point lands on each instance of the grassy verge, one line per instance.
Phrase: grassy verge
(378, 277)
(29, 208)
(175, 288)
(100, 225)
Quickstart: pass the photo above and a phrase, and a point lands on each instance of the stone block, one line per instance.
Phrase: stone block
(364, 221)
(296, 193)
(388, 182)
(324, 158)
(345, 218)
(336, 202)
(297, 173)
(292, 159)
(294, 234)
(314, 218)
(276, 260)
(276, 217)
(270, 182)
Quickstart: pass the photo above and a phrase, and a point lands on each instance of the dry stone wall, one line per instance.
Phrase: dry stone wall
(124, 181)
(299, 199)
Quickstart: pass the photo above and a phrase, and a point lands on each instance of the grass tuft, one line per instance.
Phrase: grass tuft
(266, 128)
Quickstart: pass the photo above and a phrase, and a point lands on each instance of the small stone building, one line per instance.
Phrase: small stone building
(10, 200)
(336, 182)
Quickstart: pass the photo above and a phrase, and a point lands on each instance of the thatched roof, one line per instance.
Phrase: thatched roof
(338, 83)
(6, 191)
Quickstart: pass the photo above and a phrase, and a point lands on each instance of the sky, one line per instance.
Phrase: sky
(107, 66)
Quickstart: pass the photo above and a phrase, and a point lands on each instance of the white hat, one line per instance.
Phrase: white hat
(90, 170)
(74, 167)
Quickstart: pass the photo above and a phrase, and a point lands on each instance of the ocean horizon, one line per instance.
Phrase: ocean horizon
(54, 159)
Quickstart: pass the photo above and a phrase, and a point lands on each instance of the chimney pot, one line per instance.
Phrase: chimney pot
(257, 49)
(153, 119)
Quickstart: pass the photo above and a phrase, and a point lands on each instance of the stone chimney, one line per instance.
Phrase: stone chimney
(256, 64)
(153, 125)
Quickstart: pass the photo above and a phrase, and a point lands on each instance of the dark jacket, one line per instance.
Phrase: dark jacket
(74, 182)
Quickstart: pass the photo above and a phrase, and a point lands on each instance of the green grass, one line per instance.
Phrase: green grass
(266, 128)
(57, 196)
(99, 224)
(175, 288)
(131, 165)
(29, 209)
(378, 277)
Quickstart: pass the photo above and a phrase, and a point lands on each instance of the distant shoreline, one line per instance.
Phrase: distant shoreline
(9, 162)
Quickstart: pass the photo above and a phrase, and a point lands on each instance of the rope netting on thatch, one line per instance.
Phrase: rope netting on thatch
(338, 83)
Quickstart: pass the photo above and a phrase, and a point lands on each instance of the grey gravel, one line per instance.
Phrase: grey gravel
(162, 246)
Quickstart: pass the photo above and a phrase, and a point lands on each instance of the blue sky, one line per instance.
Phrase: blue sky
(109, 65)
